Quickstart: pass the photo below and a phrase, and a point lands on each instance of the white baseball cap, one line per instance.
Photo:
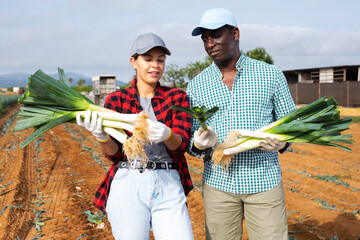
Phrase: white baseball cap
(215, 18)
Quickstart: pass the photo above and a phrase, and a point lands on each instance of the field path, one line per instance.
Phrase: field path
(46, 187)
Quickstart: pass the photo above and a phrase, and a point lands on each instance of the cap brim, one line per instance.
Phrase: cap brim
(146, 49)
(209, 26)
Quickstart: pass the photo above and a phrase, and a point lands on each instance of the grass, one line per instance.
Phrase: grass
(95, 217)
(82, 88)
(356, 119)
(326, 205)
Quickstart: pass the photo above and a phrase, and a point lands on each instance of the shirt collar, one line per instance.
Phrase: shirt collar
(241, 62)
(239, 65)
(133, 94)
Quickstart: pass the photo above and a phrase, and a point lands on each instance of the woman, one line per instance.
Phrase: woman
(137, 199)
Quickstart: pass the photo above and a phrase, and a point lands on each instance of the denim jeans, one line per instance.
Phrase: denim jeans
(152, 199)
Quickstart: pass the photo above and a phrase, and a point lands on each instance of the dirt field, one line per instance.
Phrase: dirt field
(46, 187)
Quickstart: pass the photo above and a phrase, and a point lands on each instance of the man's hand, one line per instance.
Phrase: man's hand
(272, 145)
(158, 132)
(205, 139)
(93, 124)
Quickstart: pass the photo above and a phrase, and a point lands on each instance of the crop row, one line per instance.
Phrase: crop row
(7, 101)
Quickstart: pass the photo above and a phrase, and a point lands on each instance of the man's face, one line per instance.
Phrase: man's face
(220, 43)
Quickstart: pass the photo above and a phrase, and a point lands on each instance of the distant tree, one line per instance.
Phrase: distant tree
(260, 54)
(174, 76)
(81, 82)
(70, 81)
(180, 77)
(82, 88)
(193, 69)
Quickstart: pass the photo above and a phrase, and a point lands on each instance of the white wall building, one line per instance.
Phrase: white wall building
(102, 86)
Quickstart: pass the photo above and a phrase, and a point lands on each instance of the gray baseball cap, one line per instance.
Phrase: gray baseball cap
(147, 41)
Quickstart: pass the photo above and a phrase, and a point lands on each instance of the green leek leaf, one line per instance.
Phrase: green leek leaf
(47, 127)
(201, 113)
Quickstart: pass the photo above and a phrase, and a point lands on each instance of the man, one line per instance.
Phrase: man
(250, 94)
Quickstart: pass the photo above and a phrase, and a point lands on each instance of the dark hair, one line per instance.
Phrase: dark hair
(135, 56)
(229, 27)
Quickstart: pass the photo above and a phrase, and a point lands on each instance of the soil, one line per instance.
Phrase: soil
(46, 187)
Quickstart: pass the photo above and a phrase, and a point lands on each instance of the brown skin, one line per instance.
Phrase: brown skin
(109, 147)
(222, 45)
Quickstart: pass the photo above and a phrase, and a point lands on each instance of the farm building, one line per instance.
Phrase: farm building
(341, 82)
(16, 89)
(103, 86)
(324, 74)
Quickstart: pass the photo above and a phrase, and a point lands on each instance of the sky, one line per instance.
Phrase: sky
(94, 37)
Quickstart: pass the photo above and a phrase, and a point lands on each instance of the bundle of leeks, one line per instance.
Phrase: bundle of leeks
(48, 103)
(317, 123)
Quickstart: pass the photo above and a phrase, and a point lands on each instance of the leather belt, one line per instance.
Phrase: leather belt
(150, 165)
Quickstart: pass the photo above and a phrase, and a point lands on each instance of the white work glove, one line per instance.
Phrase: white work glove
(205, 139)
(272, 145)
(158, 132)
(93, 124)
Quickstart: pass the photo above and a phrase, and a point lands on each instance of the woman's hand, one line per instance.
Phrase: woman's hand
(93, 124)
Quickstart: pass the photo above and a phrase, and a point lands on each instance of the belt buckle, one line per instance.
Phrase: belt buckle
(153, 165)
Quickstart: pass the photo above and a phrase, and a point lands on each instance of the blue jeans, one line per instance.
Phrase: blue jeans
(153, 199)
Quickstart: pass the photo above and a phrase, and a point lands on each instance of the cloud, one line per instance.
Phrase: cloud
(296, 47)
(91, 38)
(184, 47)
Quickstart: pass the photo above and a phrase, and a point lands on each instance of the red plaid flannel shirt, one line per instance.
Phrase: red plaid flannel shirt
(126, 101)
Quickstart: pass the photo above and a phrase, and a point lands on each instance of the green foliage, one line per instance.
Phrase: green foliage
(82, 88)
(260, 54)
(179, 77)
(356, 119)
(174, 76)
(81, 82)
(193, 69)
(47, 95)
(326, 205)
(94, 218)
(334, 179)
(200, 113)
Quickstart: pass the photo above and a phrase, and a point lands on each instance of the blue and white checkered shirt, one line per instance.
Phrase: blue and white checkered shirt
(260, 96)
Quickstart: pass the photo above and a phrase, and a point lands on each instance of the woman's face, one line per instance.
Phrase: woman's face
(149, 66)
